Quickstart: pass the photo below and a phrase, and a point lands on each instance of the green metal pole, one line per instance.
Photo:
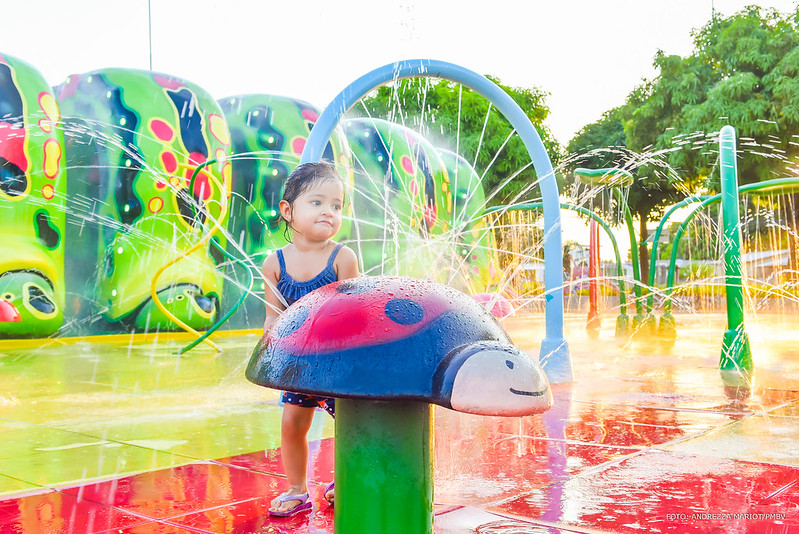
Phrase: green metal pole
(650, 300)
(384, 467)
(623, 321)
(736, 353)
(639, 318)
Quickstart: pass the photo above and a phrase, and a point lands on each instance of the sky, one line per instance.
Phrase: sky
(587, 54)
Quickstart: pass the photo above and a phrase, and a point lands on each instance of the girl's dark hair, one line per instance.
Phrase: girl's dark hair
(302, 178)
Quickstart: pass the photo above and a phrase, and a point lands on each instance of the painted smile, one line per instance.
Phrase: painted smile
(528, 393)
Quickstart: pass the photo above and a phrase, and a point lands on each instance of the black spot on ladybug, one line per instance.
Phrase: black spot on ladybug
(404, 311)
(293, 322)
(354, 286)
(46, 231)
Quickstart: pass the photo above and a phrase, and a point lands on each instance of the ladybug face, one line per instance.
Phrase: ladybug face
(360, 312)
(499, 379)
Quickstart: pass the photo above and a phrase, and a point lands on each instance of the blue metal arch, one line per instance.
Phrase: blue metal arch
(554, 356)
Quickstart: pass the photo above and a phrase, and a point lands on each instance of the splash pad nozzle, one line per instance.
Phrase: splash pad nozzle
(736, 353)
(387, 348)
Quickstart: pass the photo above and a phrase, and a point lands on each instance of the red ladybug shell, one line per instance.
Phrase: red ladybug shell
(358, 313)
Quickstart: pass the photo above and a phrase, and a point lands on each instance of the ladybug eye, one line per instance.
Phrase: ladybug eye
(509, 364)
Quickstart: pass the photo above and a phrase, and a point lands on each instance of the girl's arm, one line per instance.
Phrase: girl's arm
(271, 272)
(346, 264)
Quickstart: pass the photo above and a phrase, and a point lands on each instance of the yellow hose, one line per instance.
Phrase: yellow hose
(223, 211)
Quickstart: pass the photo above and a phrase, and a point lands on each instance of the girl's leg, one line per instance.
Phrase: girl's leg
(294, 451)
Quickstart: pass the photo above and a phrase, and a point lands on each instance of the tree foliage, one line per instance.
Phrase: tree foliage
(743, 71)
(455, 117)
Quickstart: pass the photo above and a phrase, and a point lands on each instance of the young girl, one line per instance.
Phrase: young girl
(311, 208)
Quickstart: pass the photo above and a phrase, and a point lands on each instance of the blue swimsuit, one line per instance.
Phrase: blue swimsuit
(292, 291)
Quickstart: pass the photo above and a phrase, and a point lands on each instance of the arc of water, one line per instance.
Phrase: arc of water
(554, 356)
(593, 216)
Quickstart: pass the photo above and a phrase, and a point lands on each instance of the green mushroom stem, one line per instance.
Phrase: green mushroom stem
(384, 467)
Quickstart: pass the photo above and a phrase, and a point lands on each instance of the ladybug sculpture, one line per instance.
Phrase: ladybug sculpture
(385, 338)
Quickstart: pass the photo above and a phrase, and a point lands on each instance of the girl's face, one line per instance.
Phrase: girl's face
(316, 213)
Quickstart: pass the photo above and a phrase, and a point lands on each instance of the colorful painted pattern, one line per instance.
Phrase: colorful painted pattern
(32, 201)
(268, 135)
(135, 139)
(402, 198)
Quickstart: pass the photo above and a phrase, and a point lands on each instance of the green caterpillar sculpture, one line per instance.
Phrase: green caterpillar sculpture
(476, 268)
(402, 199)
(32, 201)
(268, 135)
(134, 141)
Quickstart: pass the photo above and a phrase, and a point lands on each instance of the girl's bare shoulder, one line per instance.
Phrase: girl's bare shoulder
(346, 263)
(271, 266)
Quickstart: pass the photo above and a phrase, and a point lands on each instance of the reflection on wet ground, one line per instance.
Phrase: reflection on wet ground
(121, 435)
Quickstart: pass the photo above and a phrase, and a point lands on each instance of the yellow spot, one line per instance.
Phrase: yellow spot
(156, 204)
(52, 158)
(218, 127)
(227, 175)
(49, 105)
(48, 192)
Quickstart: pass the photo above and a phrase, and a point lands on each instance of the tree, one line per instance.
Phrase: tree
(603, 145)
(455, 117)
(744, 71)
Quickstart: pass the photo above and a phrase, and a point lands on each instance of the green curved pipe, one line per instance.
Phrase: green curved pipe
(768, 186)
(628, 219)
(592, 215)
(652, 267)
(244, 294)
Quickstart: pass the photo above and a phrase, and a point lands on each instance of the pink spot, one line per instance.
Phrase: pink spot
(202, 187)
(407, 165)
(495, 303)
(414, 187)
(162, 130)
(310, 115)
(195, 158)
(298, 145)
(13, 142)
(430, 215)
(170, 162)
(169, 83)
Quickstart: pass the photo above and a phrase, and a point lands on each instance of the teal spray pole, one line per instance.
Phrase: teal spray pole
(736, 353)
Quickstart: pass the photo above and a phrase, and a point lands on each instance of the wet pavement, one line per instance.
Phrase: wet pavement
(121, 435)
